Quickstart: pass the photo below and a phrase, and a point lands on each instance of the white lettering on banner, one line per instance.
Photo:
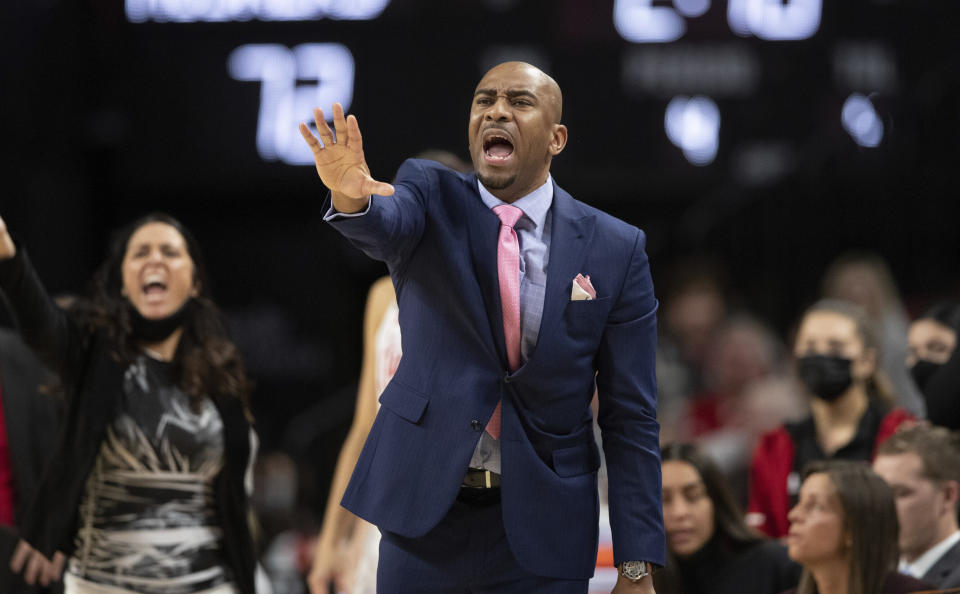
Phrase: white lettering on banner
(639, 21)
(283, 102)
(775, 20)
(192, 11)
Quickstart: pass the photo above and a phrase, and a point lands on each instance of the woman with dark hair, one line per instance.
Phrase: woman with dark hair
(844, 532)
(851, 407)
(934, 362)
(710, 549)
(146, 492)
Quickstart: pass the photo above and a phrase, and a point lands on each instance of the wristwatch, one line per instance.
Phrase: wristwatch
(634, 570)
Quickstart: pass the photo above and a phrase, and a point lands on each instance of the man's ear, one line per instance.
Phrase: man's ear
(951, 494)
(559, 139)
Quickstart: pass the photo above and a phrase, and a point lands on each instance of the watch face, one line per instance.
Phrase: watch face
(633, 570)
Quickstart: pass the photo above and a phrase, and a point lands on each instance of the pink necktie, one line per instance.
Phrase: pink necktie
(508, 269)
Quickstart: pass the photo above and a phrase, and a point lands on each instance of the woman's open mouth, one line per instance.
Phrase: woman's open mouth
(154, 289)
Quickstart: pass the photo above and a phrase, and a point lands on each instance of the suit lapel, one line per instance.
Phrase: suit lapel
(944, 566)
(571, 233)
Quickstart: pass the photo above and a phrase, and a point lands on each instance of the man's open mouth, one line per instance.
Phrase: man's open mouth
(497, 147)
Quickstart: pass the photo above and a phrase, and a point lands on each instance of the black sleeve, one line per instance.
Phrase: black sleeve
(46, 328)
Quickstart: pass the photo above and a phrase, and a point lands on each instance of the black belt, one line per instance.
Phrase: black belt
(480, 479)
(480, 488)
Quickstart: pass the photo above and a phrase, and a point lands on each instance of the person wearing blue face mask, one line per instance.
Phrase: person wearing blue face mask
(934, 364)
(851, 408)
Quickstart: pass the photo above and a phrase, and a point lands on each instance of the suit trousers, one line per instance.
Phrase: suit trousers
(467, 552)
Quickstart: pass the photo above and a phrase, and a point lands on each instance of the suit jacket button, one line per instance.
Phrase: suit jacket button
(476, 425)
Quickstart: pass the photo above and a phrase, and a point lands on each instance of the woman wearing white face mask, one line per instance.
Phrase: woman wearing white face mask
(851, 410)
(146, 492)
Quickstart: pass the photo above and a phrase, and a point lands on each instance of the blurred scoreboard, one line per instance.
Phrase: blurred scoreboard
(682, 93)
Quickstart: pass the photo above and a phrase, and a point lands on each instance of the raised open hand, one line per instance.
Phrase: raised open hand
(7, 249)
(340, 162)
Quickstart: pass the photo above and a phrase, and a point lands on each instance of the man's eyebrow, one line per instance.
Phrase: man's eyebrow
(511, 93)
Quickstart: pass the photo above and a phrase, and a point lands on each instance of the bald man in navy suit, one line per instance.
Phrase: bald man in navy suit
(516, 300)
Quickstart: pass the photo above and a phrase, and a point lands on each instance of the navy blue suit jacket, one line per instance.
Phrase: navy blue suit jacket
(440, 243)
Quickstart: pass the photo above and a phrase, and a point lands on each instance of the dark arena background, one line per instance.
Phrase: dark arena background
(764, 136)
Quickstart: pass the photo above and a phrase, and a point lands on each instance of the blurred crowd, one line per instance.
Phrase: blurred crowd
(747, 414)
(790, 459)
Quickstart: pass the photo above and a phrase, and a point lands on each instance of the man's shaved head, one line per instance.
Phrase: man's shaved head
(547, 87)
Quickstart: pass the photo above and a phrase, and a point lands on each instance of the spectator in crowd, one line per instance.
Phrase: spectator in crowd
(865, 279)
(934, 363)
(146, 491)
(695, 307)
(29, 416)
(741, 352)
(843, 530)
(851, 405)
(726, 418)
(922, 466)
(710, 548)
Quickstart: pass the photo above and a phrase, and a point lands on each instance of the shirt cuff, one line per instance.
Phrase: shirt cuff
(333, 215)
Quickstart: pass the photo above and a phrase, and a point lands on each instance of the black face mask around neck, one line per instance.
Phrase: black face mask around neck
(826, 377)
(158, 330)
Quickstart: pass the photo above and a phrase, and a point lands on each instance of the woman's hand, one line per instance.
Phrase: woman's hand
(7, 249)
(36, 568)
(326, 569)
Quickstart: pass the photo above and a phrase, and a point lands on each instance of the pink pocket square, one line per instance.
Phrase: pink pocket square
(582, 290)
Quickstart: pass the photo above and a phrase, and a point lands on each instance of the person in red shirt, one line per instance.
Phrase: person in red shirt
(851, 404)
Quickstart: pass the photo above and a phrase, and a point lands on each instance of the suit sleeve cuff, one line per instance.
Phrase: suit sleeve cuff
(333, 215)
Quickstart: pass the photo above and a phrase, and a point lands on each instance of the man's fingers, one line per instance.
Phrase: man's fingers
(318, 585)
(354, 140)
(326, 135)
(340, 125)
(20, 556)
(309, 137)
